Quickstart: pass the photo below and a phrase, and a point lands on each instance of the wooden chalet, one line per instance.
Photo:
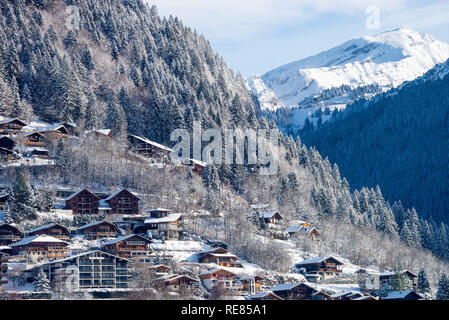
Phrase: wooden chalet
(83, 202)
(271, 218)
(302, 230)
(294, 291)
(148, 148)
(160, 269)
(71, 127)
(345, 296)
(121, 203)
(100, 133)
(221, 257)
(3, 269)
(90, 270)
(197, 166)
(251, 284)
(9, 234)
(162, 223)
(263, 295)
(404, 295)
(6, 155)
(215, 277)
(386, 279)
(53, 230)
(40, 248)
(11, 126)
(130, 246)
(323, 267)
(176, 282)
(7, 143)
(35, 139)
(98, 230)
(55, 132)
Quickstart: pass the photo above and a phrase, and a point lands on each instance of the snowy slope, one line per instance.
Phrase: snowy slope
(385, 60)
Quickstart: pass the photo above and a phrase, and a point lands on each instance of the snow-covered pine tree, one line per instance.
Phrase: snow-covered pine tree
(443, 288)
(423, 286)
(23, 197)
(41, 282)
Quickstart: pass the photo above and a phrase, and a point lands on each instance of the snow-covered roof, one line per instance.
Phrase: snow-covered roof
(317, 260)
(78, 192)
(52, 127)
(400, 294)
(37, 238)
(198, 162)
(158, 145)
(287, 286)
(116, 193)
(293, 229)
(392, 273)
(215, 271)
(122, 238)
(174, 277)
(269, 214)
(158, 210)
(158, 266)
(95, 223)
(105, 132)
(4, 120)
(50, 225)
(169, 218)
(261, 294)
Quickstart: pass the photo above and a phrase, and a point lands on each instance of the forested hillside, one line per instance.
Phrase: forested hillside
(129, 70)
(399, 141)
(125, 68)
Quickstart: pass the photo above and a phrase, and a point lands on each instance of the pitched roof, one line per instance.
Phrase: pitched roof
(37, 238)
(118, 192)
(289, 286)
(8, 120)
(147, 141)
(215, 271)
(53, 127)
(158, 210)
(169, 218)
(269, 214)
(50, 225)
(122, 238)
(78, 192)
(262, 294)
(318, 260)
(293, 229)
(401, 294)
(95, 223)
(393, 272)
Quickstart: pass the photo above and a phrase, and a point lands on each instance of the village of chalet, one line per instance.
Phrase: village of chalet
(101, 257)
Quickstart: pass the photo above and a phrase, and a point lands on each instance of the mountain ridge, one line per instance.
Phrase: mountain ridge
(386, 60)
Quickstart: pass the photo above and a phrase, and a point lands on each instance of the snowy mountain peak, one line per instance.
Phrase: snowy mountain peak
(335, 77)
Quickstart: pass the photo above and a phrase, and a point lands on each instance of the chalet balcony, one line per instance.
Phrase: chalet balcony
(9, 237)
(35, 143)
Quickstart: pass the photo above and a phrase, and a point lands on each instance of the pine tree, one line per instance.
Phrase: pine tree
(24, 202)
(443, 288)
(423, 284)
(41, 282)
(115, 119)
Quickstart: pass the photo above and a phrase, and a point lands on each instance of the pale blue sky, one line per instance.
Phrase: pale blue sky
(255, 36)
